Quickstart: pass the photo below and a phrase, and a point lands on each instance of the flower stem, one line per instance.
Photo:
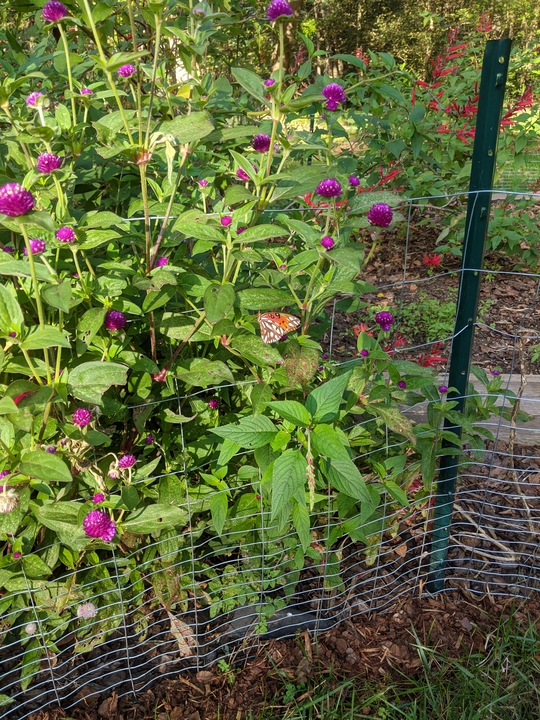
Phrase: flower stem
(68, 67)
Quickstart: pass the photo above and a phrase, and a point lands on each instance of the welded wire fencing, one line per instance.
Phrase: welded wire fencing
(192, 597)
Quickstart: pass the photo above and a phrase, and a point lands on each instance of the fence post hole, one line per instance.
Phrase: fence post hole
(490, 104)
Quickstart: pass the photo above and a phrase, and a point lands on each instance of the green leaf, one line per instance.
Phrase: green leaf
(171, 490)
(90, 380)
(203, 373)
(5, 700)
(199, 230)
(300, 517)
(252, 348)
(345, 477)
(58, 296)
(63, 117)
(263, 298)
(228, 450)
(157, 299)
(250, 432)
(351, 59)
(250, 82)
(261, 232)
(188, 128)
(292, 411)
(34, 566)
(118, 59)
(95, 238)
(45, 466)
(237, 194)
(397, 493)
(7, 406)
(175, 419)
(218, 509)
(154, 518)
(218, 301)
(323, 402)
(40, 338)
(327, 442)
(88, 326)
(11, 317)
(62, 517)
(31, 662)
(288, 477)
(21, 268)
(395, 420)
(178, 326)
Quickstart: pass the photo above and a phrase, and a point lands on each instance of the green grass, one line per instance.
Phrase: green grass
(500, 683)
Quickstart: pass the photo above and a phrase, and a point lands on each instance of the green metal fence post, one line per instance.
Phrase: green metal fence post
(490, 103)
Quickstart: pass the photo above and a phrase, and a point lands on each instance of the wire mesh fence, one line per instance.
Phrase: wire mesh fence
(193, 597)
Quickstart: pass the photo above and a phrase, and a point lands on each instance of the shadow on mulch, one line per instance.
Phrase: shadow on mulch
(369, 647)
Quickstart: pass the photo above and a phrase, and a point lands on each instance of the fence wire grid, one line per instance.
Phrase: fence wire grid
(194, 601)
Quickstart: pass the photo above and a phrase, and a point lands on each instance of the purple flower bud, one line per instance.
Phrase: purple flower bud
(149, 439)
(380, 214)
(16, 555)
(258, 497)
(51, 449)
(269, 82)
(98, 498)
(126, 71)
(48, 162)
(443, 389)
(241, 230)
(320, 368)
(282, 267)
(385, 319)
(354, 181)
(261, 143)
(115, 320)
(495, 372)
(226, 220)
(87, 610)
(8, 249)
(364, 353)
(329, 188)
(86, 91)
(31, 99)
(65, 235)
(203, 183)
(198, 11)
(13, 334)
(162, 261)
(97, 524)
(402, 384)
(325, 356)
(53, 11)
(4, 474)
(241, 174)
(82, 417)
(213, 403)
(334, 94)
(127, 461)
(37, 246)
(277, 9)
(15, 200)
(327, 242)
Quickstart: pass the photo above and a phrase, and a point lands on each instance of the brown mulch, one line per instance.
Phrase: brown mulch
(368, 647)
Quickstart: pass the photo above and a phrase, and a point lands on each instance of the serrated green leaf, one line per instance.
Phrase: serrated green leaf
(250, 432)
(289, 476)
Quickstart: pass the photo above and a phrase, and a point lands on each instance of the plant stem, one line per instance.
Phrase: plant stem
(31, 365)
(157, 43)
(147, 235)
(68, 67)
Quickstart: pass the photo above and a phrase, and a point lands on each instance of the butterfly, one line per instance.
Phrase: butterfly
(275, 325)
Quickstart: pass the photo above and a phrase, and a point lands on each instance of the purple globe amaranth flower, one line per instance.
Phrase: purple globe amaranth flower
(82, 417)
(97, 524)
(327, 242)
(443, 389)
(162, 261)
(495, 372)
(51, 449)
(53, 11)
(48, 162)
(325, 356)
(261, 142)
(37, 246)
(203, 183)
(149, 439)
(126, 71)
(241, 230)
(16, 555)
(15, 200)
(241, 174)
(213, 404)
(8, 249)
(32, 98)
(65, 235)
(115, 320)
(198, 11)
(364, 353)
(4, 474)
(226, 220)
(87, 610)
(86, 91)
(126, 461)
(402, 384)
(354, 181)
(277, 9)
(380, 214)
(334, 95)
(13, 334)
(98, 498)
(329, 188)
(385, 319)
(269, 82)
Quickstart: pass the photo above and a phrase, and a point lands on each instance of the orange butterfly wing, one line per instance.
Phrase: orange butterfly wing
(275, 325)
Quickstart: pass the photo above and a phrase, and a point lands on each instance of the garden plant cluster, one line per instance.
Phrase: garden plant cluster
(172, 242)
